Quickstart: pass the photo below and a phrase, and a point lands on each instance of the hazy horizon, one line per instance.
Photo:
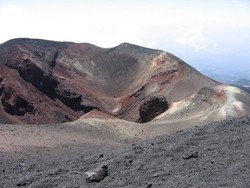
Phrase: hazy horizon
(211, 36)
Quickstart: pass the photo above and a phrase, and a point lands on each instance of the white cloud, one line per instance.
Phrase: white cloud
(102, 26)
(108, 23)
(14, 22)
(194, 37)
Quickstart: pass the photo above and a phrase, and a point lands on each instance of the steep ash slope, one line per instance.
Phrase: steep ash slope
(45, 81)
(209, 104)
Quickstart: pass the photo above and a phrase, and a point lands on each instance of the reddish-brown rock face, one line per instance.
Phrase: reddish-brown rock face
(48, 82)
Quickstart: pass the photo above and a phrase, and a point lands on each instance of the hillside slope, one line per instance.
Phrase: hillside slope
(50, 82)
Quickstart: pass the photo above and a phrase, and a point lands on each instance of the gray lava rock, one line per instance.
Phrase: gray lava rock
(97, 175)
(190, 153)
(25, 181)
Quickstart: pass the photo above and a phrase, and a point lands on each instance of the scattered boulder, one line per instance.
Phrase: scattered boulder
(190, 153)
(25, 181)
(152, 107)
(149, 185)
(97, 175)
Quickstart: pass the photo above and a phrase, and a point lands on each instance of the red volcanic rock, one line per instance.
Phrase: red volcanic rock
(48, 82)
(15, 104)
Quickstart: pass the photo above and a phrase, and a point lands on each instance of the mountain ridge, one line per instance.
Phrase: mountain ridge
(51, 82)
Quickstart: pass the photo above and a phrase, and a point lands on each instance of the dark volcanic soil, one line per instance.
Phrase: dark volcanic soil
(214, 155)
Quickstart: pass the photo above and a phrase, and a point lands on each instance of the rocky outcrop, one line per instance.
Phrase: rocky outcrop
(43, 81)
(153, 107)
(50, 86)
(14, 104)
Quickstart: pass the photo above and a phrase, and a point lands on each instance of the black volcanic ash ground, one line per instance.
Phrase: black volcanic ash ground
(219, 157)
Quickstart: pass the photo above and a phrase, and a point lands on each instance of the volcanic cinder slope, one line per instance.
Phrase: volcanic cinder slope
(43, 82)
(49, 82)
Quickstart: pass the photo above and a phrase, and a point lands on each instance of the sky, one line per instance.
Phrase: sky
(213, 36)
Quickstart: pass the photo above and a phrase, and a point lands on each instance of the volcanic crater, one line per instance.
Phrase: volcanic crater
(52, 82)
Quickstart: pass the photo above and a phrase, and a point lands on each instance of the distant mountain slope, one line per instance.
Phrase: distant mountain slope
(239, 80)
(46, 81)
(243, 84)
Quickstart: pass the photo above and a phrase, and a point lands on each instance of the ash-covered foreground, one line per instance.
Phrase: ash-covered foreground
(214, 155)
